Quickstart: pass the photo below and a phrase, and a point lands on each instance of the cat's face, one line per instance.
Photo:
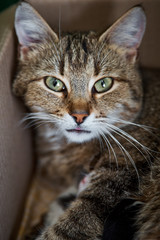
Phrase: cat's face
(83, 84)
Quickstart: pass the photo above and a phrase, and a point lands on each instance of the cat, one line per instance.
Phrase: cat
(86, 95)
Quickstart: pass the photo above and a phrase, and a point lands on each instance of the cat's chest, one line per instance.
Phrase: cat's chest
(54, 150)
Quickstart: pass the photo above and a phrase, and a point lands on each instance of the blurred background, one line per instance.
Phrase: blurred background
(6, 3)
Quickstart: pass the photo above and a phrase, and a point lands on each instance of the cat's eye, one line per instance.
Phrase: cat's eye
(55, 84)
(103, 84)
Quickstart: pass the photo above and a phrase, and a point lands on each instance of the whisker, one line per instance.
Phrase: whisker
(119, 133)
(128, 155)
(146, 128)
(120, 147)
(107, 141)
(145, 149)
(40, 115)
(38, 119)
(109, 152)
(100, 143)
(122, 152)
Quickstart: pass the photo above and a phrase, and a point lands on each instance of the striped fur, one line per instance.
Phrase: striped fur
(113, 144)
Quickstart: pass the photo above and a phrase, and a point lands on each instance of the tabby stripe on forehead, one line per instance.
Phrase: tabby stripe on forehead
(96, 69)
(68, 44)
(61, 67)
(84, 46)
(68, 50)
(78, 54)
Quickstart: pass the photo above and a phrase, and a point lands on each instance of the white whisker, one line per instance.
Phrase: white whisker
(146, 128)
(38, 119)
(122, 135)
(128, 136)
(128, 155)
(121, 150)
(109, 152)
(110, 145)
(100, 143)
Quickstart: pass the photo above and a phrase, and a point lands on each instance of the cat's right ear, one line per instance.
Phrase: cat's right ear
(31, 28)
(127, 32)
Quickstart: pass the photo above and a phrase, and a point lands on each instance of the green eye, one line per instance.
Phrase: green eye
(103, 84)
(55, 84)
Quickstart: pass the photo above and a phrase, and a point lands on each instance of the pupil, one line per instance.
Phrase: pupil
(55, 83)
(103, 83)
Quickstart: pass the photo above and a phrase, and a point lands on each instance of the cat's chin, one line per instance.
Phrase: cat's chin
(79, 136)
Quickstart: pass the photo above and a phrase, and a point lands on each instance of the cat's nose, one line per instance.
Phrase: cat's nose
(79, 117)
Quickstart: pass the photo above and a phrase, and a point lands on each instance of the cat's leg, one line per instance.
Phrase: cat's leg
(58, 207)
(63, 202)
(84, 219)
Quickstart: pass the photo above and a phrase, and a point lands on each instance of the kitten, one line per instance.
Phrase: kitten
(86, 95)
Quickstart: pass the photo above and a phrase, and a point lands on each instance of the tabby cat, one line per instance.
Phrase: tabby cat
(86, 96)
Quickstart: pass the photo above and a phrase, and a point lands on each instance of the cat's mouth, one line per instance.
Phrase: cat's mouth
(78, 134)
(78, 130)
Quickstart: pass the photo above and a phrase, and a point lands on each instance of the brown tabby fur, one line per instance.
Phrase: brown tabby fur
(81, 56)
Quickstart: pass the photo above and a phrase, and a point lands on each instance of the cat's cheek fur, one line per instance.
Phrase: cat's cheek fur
(37, 96)
(124, 112)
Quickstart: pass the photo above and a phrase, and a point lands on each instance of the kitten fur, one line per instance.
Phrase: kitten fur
(80, 130)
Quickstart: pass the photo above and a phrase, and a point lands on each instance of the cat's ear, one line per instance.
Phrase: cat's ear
(30, 27)
(127, 32)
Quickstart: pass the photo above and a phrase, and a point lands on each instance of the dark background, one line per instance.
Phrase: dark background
(6, 3)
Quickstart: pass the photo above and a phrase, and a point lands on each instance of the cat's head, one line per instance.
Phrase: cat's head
(83, 83)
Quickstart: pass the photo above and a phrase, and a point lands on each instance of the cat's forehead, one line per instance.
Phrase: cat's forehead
(78, 53)
(79, 41)
(83, 53)
(77, 60)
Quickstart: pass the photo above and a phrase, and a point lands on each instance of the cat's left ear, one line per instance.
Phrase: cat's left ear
(127, 32)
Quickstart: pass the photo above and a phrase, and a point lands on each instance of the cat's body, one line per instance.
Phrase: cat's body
(86, 92)
(91, 156)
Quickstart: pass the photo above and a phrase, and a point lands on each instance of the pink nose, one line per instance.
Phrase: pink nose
(79, 117)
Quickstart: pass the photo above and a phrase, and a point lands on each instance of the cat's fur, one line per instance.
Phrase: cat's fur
(115, 150)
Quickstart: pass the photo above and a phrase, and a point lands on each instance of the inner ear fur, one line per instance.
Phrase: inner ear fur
(127, 32)
(31, 28)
